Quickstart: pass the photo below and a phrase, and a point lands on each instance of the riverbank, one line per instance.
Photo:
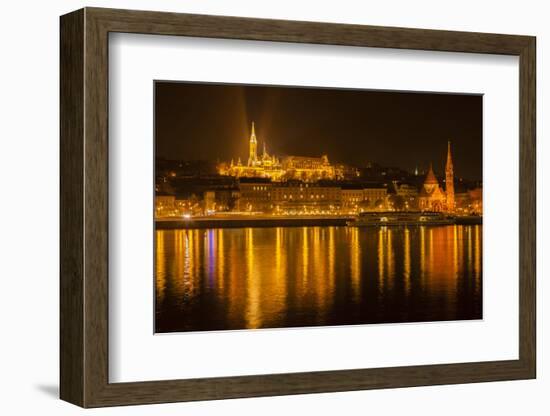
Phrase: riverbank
(474, 220)
(271, 221)
(241, 222)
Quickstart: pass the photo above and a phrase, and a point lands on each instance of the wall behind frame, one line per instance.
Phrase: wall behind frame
(29, 227)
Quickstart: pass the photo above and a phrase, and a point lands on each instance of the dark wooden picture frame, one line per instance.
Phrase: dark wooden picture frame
(84, 207)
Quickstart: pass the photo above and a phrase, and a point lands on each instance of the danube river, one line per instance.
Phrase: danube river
(220, 279)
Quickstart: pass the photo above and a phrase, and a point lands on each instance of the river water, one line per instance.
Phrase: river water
(227, 279)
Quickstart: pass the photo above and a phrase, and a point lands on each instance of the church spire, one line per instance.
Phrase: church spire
(430, 176)
(252, 146)
(449, 180)
(253, 135)
(449, 165)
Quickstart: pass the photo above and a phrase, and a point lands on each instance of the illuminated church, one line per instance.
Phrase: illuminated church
(270, 166)
(434, 198)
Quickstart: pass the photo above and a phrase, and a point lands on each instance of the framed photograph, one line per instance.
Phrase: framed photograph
(260, 207)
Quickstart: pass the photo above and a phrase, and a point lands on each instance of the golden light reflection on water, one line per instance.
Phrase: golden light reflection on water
(390, 259)
(382, 243)
(280, 277)
(355, 263)
(407, 261)
(422, 253)
(160, 280)
(253, 309)
(220, 264)
(279, 274)
(477, 261)
(305, 255)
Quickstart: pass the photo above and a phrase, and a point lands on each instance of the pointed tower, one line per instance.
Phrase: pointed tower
(449, 180)
(430, 183)
(253, 144)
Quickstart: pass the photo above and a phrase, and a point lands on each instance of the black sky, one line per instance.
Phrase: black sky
(212, 122)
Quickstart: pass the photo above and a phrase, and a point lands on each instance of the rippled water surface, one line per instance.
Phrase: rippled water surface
(216, 279)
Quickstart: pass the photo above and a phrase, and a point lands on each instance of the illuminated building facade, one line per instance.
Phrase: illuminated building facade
(191, 206)
(165, 206)
(469, 202)
(352, 198)
(255, 196)
(346, 172)
(476, 201)
(210, 201)
(264, 166)
(307, 169)
(304, 198)
(375, 198)
(432, 197)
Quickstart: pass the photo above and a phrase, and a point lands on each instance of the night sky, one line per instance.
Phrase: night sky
(196, 121)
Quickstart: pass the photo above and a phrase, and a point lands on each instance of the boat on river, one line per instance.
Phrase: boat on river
(370, 219)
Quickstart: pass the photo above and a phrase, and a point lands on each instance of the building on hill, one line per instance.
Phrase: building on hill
(307, 169)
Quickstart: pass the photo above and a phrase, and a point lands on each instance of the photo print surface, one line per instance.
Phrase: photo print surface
(281, 207)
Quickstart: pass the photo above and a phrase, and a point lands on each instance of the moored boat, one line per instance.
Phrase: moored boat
(369, 219)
